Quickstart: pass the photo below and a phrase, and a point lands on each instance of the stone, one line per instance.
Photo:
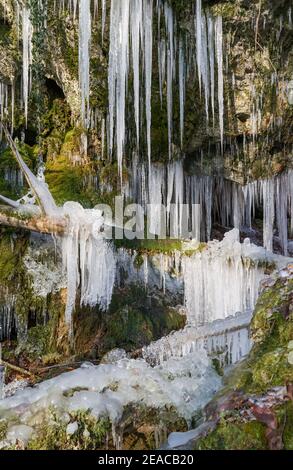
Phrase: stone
(72, 428)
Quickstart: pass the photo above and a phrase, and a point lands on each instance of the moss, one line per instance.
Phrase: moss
(272, 329)
(64, 180)
(135, 319)
(271, 369)
(285, 421)
(150, 246)
(37, 342)
(91, 434)
(129, 328)
(217, 366)
(166, 246)
(12, 251)
(3, 430)
(235, 436)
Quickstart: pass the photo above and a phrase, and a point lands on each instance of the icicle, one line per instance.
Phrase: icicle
(211, 41)
(96, 9)
(205, 64)
(162, 65)
(148, 57)
(228, 339)
(103, 18)
(268, 213)
(118, 75)
(182, 84)
(27, 32)
(156, 192)
(136, 26)
(170, 71)
(84, 59)
(219, 54)
(198, 24)
(176, 195)
(282, 193)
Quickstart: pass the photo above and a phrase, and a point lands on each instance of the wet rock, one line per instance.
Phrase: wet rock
(114, 356)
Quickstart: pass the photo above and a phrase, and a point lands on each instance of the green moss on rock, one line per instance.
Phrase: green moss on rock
(235, 436)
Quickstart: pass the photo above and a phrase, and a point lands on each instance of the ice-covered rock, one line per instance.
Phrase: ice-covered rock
(72, 428)
(19, 433)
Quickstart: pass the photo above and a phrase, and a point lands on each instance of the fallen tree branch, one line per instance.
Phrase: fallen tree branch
(46, 225)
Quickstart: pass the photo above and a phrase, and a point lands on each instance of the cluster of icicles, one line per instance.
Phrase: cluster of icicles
(131, 52)
(219, 280)
(88, 259)
(201, 201)
(131, 35)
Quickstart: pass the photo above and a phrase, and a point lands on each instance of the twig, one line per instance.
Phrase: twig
(257, 22)
(16, 368)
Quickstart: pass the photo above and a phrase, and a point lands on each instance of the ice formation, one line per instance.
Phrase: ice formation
(186, 384)
(7, 318)
(213, 199)
(84, 60)
(182, 86)
(221, 280)
(118, 75)
(87, 258)
(169, 19)
(131, 37)
(27, 33)
(219, 55)
(228, 340)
